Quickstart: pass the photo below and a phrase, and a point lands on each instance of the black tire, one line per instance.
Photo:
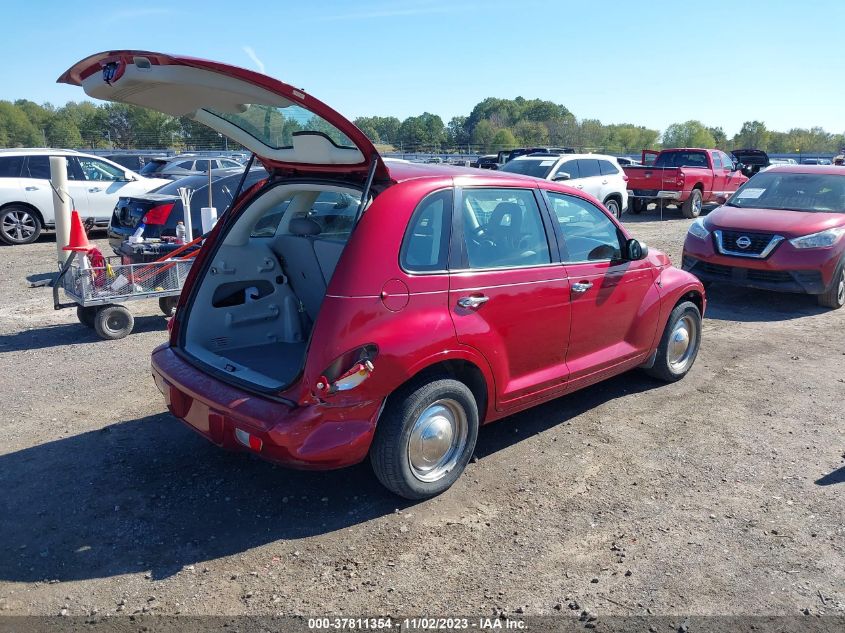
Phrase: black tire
(19, 225)
(691, 208)
(834, 298)
(664, 369)
(113, 322)
(637, 205)
(612, 205)
(390, 453)
(168, 305)
(87, 316)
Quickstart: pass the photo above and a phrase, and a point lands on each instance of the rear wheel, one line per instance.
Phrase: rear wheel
(86, 316)
(613, 206)
(113, 322)
(835, 295)
(691, 208)
(637, 206)
(425, 438)
(19, 225)
(679, 345)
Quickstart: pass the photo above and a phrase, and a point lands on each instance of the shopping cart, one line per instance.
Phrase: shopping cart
(97, 292)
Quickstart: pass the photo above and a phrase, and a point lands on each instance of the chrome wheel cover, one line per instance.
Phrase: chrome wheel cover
(683, 342)
(437, 440)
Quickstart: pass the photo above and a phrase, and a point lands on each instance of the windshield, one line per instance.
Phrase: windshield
(681, 159)
(536, 168)
(274, 126)
(823, 193)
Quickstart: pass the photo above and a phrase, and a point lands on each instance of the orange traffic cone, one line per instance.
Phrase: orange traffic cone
(78, 241)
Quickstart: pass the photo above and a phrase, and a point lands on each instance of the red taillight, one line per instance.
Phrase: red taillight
(625, 178)
(680, 180)
(159, 214)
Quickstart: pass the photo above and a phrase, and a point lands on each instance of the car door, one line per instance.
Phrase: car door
(591, 178)
(734, 178)
(39, 191)
(508, 295)
(720, 173)
(609, 324)
(611, 181)
(105, 183)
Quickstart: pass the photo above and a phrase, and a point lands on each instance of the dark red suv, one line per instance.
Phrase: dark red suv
(783, 230)
(350, 306)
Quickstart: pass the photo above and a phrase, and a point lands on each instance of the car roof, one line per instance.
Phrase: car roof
(539, 156)
(831, 170)
(37, 151)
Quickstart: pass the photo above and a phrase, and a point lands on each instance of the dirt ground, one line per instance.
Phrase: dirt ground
(721, 494)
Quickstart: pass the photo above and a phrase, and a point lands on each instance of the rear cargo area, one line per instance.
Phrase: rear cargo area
(257, 302)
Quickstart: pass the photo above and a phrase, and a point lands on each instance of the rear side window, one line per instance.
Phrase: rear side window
(189, 164)
(588, 168)
(37, 167)
(10, 166)
(425, 247)
(607, 168)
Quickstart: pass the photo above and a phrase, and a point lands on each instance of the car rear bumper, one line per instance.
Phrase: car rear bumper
(317, 436)
(656, 193)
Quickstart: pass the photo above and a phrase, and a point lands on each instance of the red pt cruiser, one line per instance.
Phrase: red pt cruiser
(351, 306)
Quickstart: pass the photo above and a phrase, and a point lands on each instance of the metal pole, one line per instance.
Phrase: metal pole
(61, 205)
(210, 203)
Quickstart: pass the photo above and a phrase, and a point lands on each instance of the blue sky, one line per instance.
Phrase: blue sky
(649, 62)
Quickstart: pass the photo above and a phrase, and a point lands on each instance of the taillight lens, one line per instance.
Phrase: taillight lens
(158, 214)
(680, 178)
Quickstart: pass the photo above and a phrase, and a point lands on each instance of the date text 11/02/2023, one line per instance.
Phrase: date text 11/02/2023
(414, 624)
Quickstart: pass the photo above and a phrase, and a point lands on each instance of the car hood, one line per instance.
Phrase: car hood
(286, 128)
(786, 223)
(751, 156)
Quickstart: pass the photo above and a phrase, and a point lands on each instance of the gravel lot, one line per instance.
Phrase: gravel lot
(721, 494)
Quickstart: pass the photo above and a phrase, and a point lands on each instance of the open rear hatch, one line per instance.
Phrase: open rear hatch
(286, 128)
(262, 281)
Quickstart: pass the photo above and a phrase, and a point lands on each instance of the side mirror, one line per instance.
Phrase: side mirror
(737, 167)
(561, 175)
(635, 250)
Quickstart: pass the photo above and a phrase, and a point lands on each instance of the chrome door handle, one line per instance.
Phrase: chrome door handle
(582, 286)
(94, 189)
(472, 302)
(32, 188)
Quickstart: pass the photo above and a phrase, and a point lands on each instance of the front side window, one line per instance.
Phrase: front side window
(503, 228)
(588, 234)
(97, 170)
(426, 244)
(727, 161)
(335, 213)
(589, 168)
(569, 167)
(10, 166)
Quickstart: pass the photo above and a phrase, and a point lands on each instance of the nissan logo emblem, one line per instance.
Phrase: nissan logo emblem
(743, 241)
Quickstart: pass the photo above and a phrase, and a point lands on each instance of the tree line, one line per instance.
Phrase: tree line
(492, 125)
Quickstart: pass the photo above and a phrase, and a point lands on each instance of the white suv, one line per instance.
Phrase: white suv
(596, 174)
(26, 196)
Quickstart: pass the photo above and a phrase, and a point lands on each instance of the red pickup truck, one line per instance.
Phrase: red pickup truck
(686, 177)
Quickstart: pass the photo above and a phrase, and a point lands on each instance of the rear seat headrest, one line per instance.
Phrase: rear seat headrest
(304, 226)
